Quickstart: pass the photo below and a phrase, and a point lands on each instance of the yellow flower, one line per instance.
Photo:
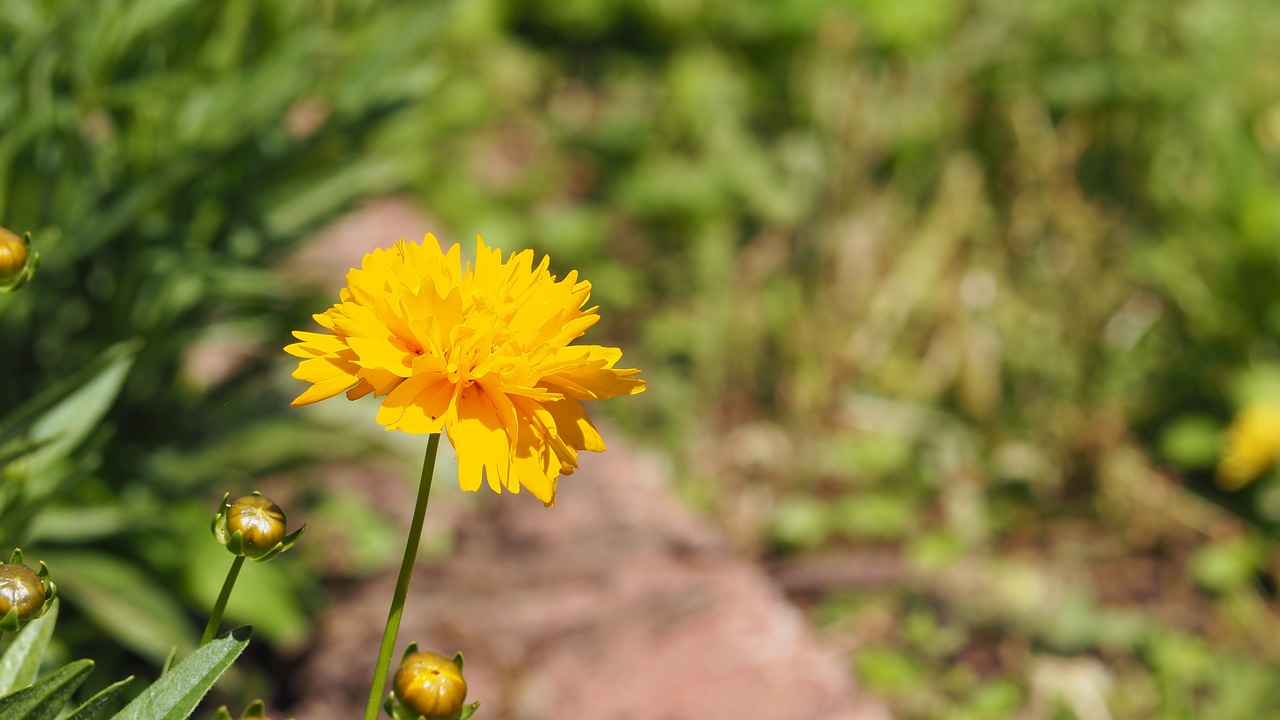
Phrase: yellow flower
(480, 352)
(1251, 445)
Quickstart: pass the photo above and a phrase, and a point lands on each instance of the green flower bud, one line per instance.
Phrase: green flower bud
(430, 685)
(254, 527)
(24, 593)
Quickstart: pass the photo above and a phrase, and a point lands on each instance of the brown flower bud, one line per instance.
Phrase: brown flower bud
(253, 527)
(260, 522)
(21, 589)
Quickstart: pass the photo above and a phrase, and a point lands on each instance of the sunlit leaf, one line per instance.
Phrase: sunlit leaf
(21, 660)
(177, 693)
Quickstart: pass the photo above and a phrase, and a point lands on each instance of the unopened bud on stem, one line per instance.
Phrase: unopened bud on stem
(254, 527)
(24, 594)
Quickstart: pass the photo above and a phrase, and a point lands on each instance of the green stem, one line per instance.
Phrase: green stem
(402, 583)
(215, 618)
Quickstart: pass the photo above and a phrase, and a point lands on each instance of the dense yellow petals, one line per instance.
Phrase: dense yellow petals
(480, 352)
(586, 372)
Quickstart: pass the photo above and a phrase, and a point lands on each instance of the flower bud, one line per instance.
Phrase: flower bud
(24, 593)
(13, 256)
(259, 521)
(254, 527)
(21, 590)
(430, 685)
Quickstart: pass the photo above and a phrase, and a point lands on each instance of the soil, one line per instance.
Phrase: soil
(616, 603)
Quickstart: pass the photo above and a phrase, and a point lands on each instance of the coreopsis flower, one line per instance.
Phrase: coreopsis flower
(1251, 445)
(480, 352)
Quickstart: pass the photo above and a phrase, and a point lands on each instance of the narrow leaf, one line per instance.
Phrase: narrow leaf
(60, 417)
(65, 425)
(21, 661)
(176, 695)
(95, 703)
(44, 700)
(123, 600)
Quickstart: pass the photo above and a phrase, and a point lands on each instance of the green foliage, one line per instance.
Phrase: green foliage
(21, 660)
(91, 707)
(256, 709)
(45, 699)
(121, 599)
(174, 696)
(942, 278)
(165, 156)
(177, 693)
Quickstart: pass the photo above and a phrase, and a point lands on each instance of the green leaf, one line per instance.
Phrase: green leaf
(878, 515)
(17, 450)
(44, 700)
(63, 416)
(1228, 565)
(801, 522)
(80, 524)
(91, 706)
(176, 695)
(890, 670)
(168, 660)
(296, 210)
(1192, 441)
(123, 600)
(21, 661)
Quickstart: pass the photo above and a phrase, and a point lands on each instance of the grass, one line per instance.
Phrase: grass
(943, 305)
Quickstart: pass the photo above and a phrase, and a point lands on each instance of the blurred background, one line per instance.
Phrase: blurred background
(945, 308)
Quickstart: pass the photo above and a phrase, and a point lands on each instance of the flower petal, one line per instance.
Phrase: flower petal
(574, 427)
(586, 372)
(480, 440)
(418, 405)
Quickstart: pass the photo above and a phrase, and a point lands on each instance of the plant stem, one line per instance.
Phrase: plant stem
(402, 583)
(215, 618)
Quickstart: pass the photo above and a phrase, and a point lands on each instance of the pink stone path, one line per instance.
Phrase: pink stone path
(616, 604)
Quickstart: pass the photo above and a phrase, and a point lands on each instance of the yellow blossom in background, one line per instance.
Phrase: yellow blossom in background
(481, 353)
(1251, 445)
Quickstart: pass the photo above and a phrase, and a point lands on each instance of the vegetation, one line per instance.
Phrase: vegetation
(958, 295)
